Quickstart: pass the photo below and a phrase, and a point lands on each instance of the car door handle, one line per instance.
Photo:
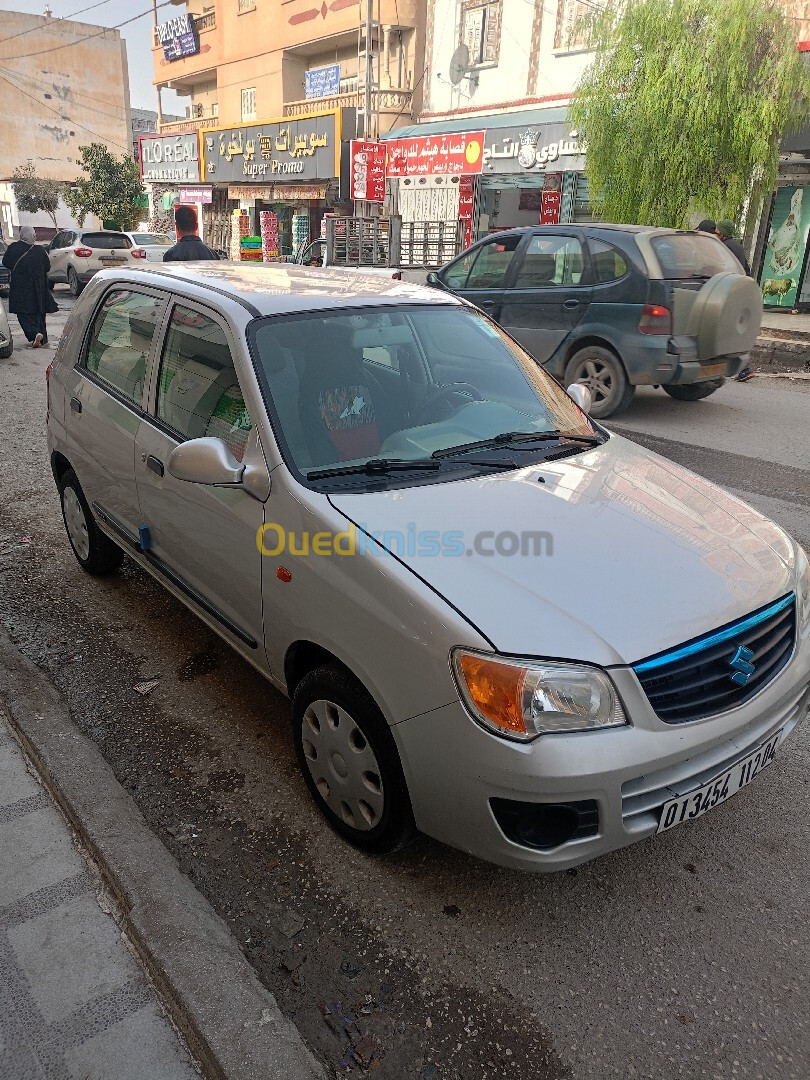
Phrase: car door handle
(75, 404)
(569, 305)
(155, 465)
(486, 303)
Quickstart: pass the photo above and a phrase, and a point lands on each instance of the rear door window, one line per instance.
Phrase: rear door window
(693, 255)
(198, 389)
(106, 241)
(608, 264)
(121, 340)
(550, 260)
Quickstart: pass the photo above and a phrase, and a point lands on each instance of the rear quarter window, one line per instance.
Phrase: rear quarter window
(106, 241)
(692, 255)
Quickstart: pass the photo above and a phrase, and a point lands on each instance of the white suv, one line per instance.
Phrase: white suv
(76, 255)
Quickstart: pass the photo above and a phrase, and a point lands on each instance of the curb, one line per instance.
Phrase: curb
(230, 1021)
(779, 354)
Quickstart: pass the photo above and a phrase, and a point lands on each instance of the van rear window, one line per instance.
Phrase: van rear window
(692, 255)
(106, 241)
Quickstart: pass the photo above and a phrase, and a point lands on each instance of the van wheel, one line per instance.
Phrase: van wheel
(95, 552)
(349, 761)
(603, 373)
(7, 350)
(694, 391)
(74, 283)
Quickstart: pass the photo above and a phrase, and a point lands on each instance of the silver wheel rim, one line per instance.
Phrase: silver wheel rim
(76, 523)
(342, 765)
(598, 377)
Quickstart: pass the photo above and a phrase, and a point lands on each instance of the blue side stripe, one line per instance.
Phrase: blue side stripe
(716, 639)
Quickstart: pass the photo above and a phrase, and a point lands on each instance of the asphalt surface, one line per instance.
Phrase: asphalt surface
(685, 956)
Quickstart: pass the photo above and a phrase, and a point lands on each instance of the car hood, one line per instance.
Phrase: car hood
(624, 554)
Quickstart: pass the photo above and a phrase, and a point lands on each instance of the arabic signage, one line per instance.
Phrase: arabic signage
(459, 154)
(169, 157)
(520, 150)
(321, 82)
(368, 171)
(466, 205)
(195, 195)
(178, 37)
(302, 148)
(551, 199)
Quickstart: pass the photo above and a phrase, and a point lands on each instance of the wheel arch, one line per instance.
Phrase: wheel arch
(304, 656)
(592, 339)
(59, 466)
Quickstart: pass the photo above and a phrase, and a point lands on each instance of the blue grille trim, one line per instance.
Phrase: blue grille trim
(717, 638)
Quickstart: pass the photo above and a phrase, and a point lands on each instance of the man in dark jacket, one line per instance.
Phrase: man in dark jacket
(725, 230)
(189, 247)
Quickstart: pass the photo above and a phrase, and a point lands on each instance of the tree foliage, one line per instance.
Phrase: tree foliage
(684, 105)
(108, 190)
(33, 194)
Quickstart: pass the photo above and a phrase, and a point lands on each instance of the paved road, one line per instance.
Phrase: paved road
(681, 957)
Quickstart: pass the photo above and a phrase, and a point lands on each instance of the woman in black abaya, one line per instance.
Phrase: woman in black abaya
(29, 298)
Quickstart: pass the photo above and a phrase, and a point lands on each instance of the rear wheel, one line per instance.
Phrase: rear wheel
(73, 282)
(694, 391)
(95, 552)
(7, 350)
(349, 761)
(603, 373)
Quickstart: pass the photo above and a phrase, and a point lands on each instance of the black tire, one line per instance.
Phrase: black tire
(74, 283)
(94, 551)
(7, 350)
(387, 822)
(694, 391)
(603, 373)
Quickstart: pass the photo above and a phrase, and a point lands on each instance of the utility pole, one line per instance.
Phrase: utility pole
(369, 77)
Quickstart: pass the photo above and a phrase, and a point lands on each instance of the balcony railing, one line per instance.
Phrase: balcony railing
(197, 123)
(382, 101)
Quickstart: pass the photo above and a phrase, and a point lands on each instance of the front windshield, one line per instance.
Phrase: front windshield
(403, 384)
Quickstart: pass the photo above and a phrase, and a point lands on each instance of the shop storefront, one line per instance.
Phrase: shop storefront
(278, 179)
(170, 168)
(531, 171)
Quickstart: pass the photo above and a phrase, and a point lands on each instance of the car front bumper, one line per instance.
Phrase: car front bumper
(454, 768)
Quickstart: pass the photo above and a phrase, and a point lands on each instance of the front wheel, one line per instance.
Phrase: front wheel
(94, 551)
(7, 350)
(349, 761)
(73, 282)
(603, 373)
(694, 391)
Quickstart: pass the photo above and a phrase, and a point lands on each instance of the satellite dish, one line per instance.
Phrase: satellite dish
(459, 64)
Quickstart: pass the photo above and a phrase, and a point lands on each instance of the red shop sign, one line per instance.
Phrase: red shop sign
(368, 171)
(550, 208)
(459, 154)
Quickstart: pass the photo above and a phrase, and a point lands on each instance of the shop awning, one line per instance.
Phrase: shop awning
(528, 117)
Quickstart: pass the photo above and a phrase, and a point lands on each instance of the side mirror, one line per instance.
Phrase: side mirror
(434, 280)
(205, 461)
(581, 395)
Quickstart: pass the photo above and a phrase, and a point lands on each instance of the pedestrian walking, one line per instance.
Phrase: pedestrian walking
(725, 231)
(189, 247)
(30, 297)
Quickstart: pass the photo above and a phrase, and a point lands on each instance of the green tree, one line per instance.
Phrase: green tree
(684, 105)
(34, 194)
(109, 190)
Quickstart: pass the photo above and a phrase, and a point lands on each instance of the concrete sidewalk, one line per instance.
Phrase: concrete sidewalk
(73, 1001)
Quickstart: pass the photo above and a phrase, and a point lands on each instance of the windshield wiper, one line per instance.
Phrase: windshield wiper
(376, 467)
(513, 439)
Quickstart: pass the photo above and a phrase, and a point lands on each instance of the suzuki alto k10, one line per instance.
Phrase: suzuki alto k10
(498, 622)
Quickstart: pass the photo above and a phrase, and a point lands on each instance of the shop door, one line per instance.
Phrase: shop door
(548, 294)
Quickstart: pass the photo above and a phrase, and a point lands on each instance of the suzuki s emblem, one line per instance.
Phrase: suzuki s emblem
(743, 668)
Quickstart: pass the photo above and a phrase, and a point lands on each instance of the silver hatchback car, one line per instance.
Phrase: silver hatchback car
(379, 500)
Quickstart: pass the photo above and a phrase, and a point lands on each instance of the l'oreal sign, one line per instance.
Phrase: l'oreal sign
(515, 150)
(172, 158)
(178, 37)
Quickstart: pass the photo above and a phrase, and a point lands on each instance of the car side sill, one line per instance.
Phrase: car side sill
(180, 583)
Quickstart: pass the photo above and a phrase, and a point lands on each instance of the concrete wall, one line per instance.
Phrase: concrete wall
(540, 58)
(11, 217)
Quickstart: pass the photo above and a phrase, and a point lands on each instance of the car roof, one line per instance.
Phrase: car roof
(282, 288)
(586, 226)
(97, 232)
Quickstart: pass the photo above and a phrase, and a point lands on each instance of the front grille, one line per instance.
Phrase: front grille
(697, 679)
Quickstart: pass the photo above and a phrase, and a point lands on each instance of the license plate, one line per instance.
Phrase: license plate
(697, 803)
(712, 370)
(112, 260)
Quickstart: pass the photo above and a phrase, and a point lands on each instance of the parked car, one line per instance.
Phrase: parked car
(5, 273)
(316, 465)
(77, 254)
(6, 340)
(616, 306)
(314, 254)
(154, 244)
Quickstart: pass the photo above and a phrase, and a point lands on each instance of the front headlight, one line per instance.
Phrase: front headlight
(803, 592)
(524, 700)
